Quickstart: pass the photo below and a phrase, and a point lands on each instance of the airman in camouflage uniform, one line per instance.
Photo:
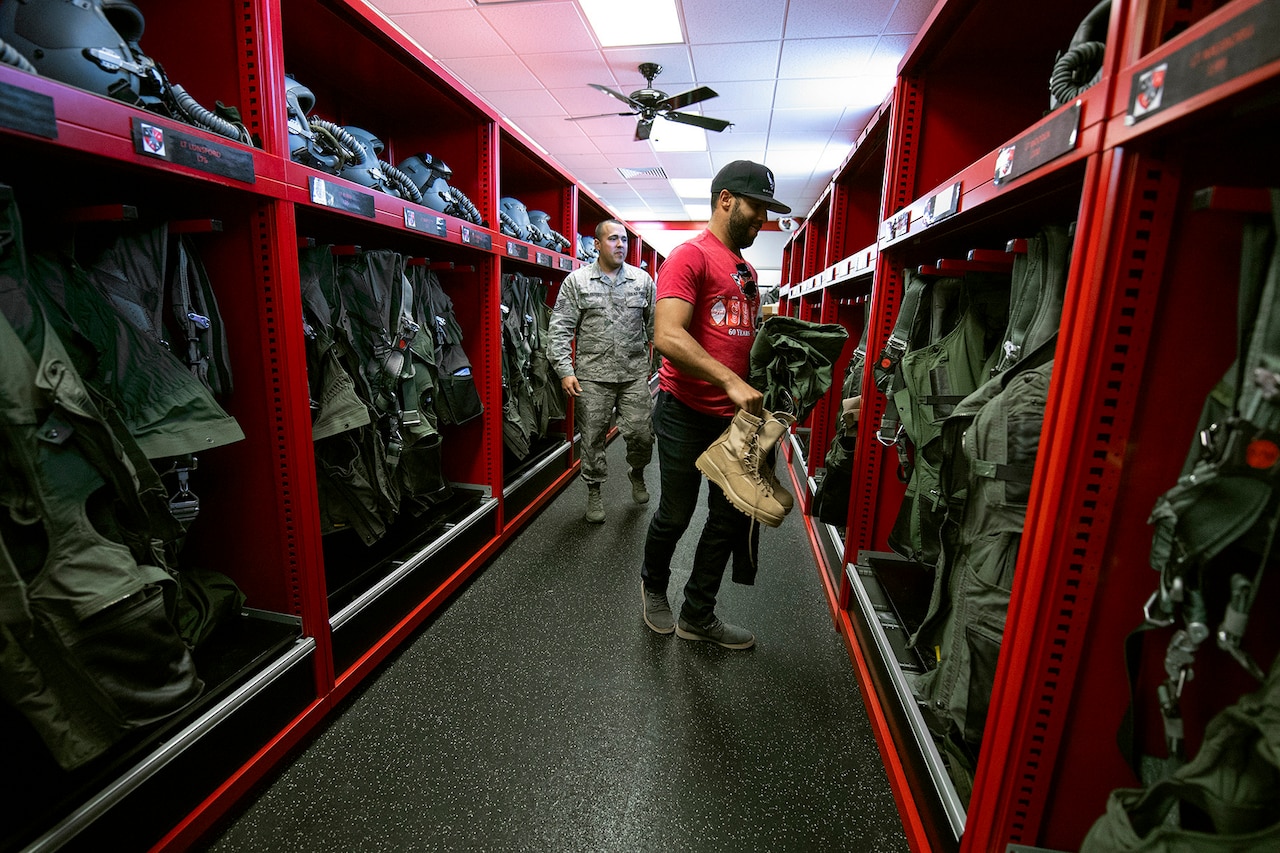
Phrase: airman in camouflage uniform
(607, 307)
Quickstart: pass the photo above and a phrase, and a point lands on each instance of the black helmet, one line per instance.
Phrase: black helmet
(364, 168)
(84, 43)
(431, 176)
(514, 210)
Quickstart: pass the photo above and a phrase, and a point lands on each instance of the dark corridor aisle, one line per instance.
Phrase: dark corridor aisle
(538, 713)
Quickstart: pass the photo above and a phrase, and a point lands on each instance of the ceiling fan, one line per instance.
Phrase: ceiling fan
(649, 103)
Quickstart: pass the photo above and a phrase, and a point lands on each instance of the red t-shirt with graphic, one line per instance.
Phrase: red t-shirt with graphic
(704, 273)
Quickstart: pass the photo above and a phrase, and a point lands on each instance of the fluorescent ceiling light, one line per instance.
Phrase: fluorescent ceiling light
(618, 23)
(699, 212)
(697, 189)
(673, 136)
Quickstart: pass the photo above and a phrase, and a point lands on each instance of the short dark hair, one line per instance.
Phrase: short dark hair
(603, 222)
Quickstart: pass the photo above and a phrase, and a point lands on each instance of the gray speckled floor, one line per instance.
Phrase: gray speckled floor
(538, 713)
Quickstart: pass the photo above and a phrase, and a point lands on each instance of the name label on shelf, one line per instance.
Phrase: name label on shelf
(515, 250)
(476, 238)
(326, 194)
(1048, 142)
(185, 149)
(898, 224)
(544, 259)
(1243, 44)
(940, 205)
(27, 112)
(566, 264)
(425, 222)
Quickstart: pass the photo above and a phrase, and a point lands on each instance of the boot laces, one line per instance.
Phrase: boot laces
(753, 459)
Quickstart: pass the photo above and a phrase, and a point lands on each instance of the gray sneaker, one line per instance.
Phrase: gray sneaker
(720, 633)
(657, 613)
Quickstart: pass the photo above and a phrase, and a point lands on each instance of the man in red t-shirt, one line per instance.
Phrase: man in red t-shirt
(705, 323)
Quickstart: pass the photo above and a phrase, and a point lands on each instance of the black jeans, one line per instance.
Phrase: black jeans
(683, 434)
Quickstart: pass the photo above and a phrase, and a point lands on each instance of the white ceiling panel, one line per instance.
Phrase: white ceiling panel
(908, 16)
(757, 60)
(799, 79)
(727, 22)
(820, 59)
(828, 18)
(547, 27)
(453, 34)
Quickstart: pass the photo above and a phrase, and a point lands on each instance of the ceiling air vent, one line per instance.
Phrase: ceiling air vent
(650, 172)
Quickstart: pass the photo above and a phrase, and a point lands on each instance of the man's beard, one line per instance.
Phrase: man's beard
(740, 227)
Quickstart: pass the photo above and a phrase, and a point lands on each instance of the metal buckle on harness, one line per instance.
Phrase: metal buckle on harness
(184, 504)
(893, 442)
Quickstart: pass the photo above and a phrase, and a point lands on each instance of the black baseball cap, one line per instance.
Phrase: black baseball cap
(743, 177)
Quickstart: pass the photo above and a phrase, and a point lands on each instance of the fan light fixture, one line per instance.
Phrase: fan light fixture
(621, 23)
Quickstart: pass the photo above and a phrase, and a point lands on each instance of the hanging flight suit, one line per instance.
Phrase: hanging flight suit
(88, 648)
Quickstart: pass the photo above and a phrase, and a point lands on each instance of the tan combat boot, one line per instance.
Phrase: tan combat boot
(775, 426)
(733, 463)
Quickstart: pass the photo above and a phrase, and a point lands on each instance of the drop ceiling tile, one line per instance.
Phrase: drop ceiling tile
(814, 121)
(744, 121)
(542, 28)
(757, 60)
(572, 68)
(455, 33)
(392, 8)
(822, 58)
(623, 144)
(720, 21)
(685, 164)
(888, 54)
(677, 67)
(909, 15)
(485, 73)
(737, 95)
(733, 145)
(855, 119)
(584, 100)
(834, 18)
(525, 102)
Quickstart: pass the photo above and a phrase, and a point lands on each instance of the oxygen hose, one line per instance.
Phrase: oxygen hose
(404, 185)
(559, 239)
(208, 119)
(460, 204)
(509, 226)
(10, 56)
(1076, 70)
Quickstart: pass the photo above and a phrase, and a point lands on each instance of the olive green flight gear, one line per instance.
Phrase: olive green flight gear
(988, 450)
(458, 400)
(942, 348)
(528, 401)
(88, 648)
(335, 407)
(793, 362)
(832, 494)
(1222, 801)
(1215, 529)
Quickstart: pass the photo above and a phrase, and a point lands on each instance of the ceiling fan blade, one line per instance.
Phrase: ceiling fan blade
(679, 102)
(597, 115)
(716, 124)
(618, 95)
(643, 128)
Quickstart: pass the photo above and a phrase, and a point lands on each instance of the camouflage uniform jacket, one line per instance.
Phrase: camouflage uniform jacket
(612, 321)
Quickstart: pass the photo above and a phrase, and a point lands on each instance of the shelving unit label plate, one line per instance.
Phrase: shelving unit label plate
(1245, 43)
(327, 194)
(1047, 142)
(184, 149)
(27, 112)
(425, 222)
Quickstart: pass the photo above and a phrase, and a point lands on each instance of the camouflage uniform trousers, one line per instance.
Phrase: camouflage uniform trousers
(594, 413)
